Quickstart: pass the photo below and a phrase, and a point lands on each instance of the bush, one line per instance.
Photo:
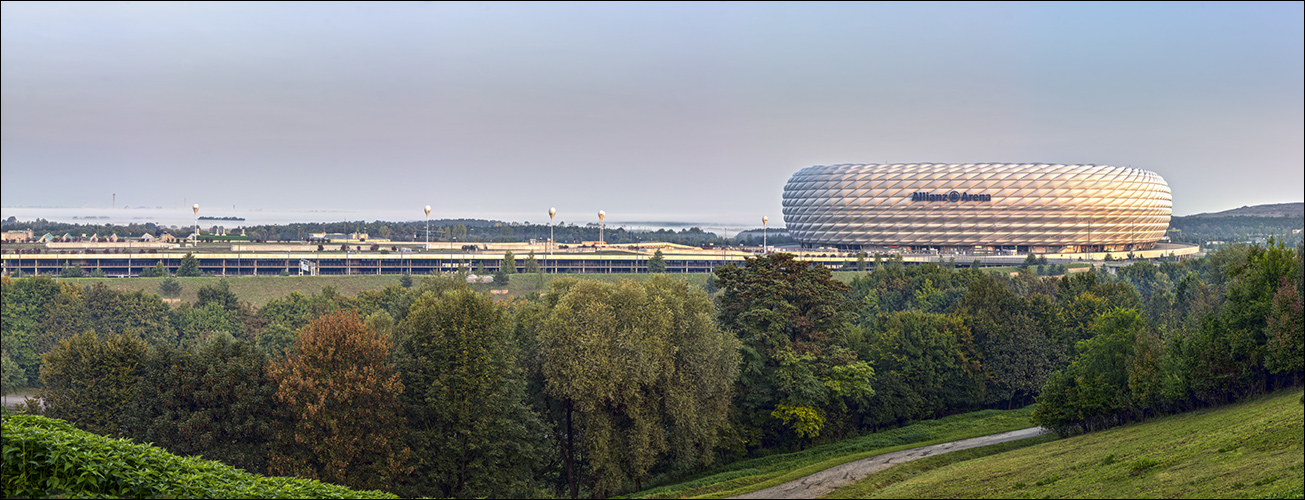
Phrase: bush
(47, 457)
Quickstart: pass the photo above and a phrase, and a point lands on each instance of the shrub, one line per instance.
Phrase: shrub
(48, 457)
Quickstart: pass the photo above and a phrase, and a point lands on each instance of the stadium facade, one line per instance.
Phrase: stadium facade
(1022, 207)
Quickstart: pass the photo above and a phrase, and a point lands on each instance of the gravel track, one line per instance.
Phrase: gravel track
(828, 480)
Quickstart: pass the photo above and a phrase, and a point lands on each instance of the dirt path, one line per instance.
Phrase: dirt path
(828, 480)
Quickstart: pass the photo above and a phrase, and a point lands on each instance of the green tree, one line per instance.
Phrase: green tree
(276, 340)
(926, 366)
(65, 315)
(657, 264)
(140, 314)
(405, 280)
(220, 294)
(509, 265)
(215, 401)
(12, 376)
(797, 370)
(73, 271)
(197, 323)
(471, 432)
(860, 261)
(642, 376)
(153, 272)
(532, 265)
(341, 392)
(170, 287)
(90, 380)
(1286, 332)
(1093, 392)
(189, 266)
(25, 302)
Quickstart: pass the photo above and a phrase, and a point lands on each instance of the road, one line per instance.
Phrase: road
(828, 480)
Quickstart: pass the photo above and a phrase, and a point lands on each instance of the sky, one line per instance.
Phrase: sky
(648, 111)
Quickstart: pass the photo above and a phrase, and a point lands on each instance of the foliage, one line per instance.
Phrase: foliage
(532, 264)
(643, 369)
(214, 401)
(470, 431)
(189, 267)
(49, 458)
(197, 323)
(74, 271)
(11, 375)
(794, 325)
(90, 380)
(341, 391)
(926, 366)
(657, 264)
(153, 272)
(138, 314)
(276, 339)
(1286, 331)
(170, 287)
(405, 281)
(509, 265)
(1194, 350)
(1093, 392)
(24, 300)
(219, 294)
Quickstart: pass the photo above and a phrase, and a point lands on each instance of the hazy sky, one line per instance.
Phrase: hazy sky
(648, 111)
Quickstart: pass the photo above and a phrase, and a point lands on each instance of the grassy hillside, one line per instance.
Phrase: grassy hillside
(259, 290)
(48, 457)
(255, 290)
(1249, 450)
(751, 475)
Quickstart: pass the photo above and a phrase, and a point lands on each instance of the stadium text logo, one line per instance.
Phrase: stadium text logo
(952, 197)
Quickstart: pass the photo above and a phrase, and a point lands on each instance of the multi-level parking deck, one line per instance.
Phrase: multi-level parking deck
(253, 263)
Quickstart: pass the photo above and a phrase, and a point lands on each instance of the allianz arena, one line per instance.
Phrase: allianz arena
(1026, 207)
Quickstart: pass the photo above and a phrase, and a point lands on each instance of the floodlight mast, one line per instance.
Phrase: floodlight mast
(764, 221)
(427, 227)
(195, 235)
(551, 213)
(601, 217)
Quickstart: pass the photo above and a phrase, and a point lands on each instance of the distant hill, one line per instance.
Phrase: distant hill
(1274, 210)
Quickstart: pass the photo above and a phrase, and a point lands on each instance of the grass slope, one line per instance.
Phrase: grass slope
(255, 290)
(1248, 450)
(751, 475)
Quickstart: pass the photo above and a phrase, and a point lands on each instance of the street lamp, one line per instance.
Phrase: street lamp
(427, 227)
(601, 217)
(552, 212)
(764, 221)
(195, 235)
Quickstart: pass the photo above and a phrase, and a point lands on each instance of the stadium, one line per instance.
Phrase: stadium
(979, 207)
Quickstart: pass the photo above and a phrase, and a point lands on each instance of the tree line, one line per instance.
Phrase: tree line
(597, 389)
(462, 230)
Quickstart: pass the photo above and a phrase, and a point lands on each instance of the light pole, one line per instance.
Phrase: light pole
(427, 227)
(601, 217)
(552, 212)
(195, 235)
(764, 221)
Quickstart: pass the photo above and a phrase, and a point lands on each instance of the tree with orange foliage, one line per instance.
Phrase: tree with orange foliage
(341, 394)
